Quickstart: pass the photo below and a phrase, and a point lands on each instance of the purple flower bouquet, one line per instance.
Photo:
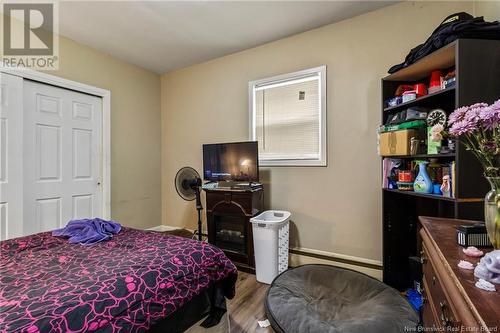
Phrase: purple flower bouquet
(478, 127)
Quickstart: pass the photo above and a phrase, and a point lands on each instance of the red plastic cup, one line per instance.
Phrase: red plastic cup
(420, 89)
(435, 79)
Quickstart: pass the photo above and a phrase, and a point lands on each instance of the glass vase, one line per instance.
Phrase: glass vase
(423, 183)
(492, 211)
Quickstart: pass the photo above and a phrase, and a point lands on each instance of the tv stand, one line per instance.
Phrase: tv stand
(228, 220)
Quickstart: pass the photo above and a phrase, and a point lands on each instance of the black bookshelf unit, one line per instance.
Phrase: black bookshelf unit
(477, 65)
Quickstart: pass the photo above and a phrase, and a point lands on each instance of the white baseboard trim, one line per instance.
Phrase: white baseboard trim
(163, 228)
(169, 228)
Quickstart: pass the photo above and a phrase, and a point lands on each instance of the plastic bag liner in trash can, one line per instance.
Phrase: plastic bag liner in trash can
(270, 242)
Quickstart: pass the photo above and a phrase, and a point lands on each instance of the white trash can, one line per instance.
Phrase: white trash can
(270, 242)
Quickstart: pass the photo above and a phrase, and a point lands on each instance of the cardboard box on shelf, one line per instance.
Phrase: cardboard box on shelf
(396, 142)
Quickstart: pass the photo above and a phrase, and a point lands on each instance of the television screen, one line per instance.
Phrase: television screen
(237, 161)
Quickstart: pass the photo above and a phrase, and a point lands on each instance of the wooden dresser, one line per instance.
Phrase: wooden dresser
(451, 301)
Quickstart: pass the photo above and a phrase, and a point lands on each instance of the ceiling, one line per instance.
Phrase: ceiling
(166, 35)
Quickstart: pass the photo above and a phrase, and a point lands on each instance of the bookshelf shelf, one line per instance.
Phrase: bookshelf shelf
(443, 58)
(422, 195)
(423, 156)
(478, 75)
(424, 100)
(434, 196)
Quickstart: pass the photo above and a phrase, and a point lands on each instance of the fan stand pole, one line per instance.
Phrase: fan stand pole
(199, 223)
(199, 208)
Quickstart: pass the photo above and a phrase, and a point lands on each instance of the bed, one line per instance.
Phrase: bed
(136, 282)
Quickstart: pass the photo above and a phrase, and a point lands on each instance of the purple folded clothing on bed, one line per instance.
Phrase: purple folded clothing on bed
(88, 231)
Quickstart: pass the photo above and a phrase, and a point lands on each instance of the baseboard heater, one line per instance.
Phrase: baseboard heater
(333, 258)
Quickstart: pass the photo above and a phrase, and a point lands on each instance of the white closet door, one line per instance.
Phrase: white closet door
(62, 156)
(11, 176)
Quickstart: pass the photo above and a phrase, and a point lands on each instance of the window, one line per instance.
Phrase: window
(288, 118)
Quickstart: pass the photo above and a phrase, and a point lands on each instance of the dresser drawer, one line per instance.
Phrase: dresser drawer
(446, 314)
(429, 315)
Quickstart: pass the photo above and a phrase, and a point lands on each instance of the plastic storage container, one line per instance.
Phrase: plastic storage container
(270, 242)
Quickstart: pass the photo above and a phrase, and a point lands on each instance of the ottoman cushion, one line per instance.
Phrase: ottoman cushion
(322, 298)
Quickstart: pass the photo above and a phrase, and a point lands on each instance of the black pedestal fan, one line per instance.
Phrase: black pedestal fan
(187, 184)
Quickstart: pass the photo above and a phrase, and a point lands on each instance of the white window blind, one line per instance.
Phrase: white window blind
(288, 118)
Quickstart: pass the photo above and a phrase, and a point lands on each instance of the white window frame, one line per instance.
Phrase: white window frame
(280, 80)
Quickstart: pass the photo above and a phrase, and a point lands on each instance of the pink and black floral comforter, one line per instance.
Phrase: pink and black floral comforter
(127, 284)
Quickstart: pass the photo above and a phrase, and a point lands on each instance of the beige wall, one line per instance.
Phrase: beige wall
(135, 129)
(337, 208)
(489, 9)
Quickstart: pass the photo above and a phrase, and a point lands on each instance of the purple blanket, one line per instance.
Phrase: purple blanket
(88, 231)
(127, 284)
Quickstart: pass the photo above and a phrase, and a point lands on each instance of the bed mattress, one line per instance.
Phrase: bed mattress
(127, 284)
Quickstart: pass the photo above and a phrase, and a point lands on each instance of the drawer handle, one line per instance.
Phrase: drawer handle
(444, 320)
(433, 280)
(423, 258)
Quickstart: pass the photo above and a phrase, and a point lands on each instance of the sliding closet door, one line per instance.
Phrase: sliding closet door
(62, 156)
(11, 167)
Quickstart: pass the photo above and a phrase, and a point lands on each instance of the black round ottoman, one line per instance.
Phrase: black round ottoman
(322, 298)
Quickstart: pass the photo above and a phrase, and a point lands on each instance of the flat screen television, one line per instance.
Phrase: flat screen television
(236, 161)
